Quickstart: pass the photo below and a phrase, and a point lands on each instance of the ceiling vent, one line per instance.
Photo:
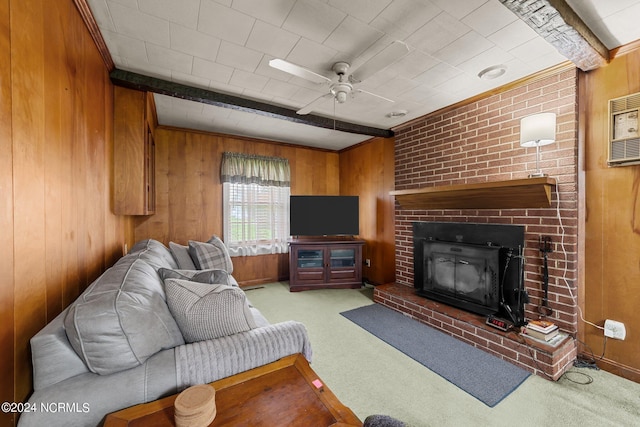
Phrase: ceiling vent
(624, 137)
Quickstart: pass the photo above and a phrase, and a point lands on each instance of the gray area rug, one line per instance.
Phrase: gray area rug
(482, 375)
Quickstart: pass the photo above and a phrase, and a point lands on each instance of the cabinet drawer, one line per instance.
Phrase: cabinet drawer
(310, 275)
(346, 273)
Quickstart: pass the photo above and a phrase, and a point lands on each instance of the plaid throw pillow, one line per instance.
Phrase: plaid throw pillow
(210, 255)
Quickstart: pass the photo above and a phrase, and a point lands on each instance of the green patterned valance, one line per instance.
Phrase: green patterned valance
(249, 169)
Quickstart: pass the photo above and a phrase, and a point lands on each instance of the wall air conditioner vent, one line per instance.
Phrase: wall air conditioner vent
(624, 137)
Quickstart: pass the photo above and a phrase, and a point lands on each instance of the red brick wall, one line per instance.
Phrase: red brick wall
(479, 142)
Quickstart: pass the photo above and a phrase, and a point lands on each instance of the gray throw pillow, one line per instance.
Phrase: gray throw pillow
(212, 276)
(182, 257)
(204, 311)
(211, 254)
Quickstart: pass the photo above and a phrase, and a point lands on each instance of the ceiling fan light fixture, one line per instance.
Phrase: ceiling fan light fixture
(340, 90)
(492, 72)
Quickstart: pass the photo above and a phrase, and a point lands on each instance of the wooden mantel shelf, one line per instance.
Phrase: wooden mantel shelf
(515, 193)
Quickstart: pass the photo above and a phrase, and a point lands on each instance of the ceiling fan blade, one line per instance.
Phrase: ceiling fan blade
(298, 71)
(313, 104)
(382, 59)
(373, 94)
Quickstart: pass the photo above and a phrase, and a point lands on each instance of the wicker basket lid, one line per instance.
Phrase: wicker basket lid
(195, 406)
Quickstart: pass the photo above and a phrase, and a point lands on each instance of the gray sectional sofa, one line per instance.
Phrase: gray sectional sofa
(132, 337)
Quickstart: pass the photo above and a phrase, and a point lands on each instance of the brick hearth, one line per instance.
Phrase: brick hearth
(534, 356)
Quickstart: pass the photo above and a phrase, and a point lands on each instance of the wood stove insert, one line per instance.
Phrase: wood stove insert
(475, 267)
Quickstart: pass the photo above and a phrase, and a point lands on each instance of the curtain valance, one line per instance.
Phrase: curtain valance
(250, 169)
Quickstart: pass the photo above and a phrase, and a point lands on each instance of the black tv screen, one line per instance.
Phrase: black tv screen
(324, 216)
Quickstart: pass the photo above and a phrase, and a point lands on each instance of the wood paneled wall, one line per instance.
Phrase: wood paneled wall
(7, 311)
(57, 231)
(612, 238)
(368, 170)
(189, 191)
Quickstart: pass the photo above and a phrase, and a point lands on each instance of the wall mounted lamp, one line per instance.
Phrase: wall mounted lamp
(535, 131)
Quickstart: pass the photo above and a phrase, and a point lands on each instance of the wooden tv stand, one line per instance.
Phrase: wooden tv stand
(320, 263)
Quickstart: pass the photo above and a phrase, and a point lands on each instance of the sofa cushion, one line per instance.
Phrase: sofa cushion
(211, 254)
(210, 276)
(181, 255)
(205, 311)
(122, 319)
(154, 253)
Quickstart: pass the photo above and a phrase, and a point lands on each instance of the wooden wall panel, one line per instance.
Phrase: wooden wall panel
(58, 232)
(55, 122)
(305, 168)
(189, 191)
(29, 181)
(92, 93)
(368, 170)
(612, 240)
(212, 200)
(7, 311)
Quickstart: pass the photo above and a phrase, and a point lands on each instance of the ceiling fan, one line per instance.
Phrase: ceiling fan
(343, 85)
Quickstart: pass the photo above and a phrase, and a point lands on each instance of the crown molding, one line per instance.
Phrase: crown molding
(94, 31)
(625, 49)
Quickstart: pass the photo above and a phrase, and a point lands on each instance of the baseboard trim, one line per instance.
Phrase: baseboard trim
(260, 281)
(616, 368)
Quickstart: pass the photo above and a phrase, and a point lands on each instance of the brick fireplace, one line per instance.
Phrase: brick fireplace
(479, 142)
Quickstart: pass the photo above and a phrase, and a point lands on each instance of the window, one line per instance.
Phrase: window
(256, 204)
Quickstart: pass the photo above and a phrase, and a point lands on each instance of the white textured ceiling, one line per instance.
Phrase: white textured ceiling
(225, 46)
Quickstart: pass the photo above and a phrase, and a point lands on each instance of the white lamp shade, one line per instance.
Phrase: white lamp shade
(538, 130)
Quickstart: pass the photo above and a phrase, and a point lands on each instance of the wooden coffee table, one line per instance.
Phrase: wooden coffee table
(284, 393)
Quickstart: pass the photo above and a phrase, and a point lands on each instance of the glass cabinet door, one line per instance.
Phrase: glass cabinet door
(342, 257)
(310, 258)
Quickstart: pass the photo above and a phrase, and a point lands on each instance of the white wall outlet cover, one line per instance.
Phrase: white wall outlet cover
(613, 329)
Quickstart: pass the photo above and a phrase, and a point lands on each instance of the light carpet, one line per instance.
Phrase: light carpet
(372, 377)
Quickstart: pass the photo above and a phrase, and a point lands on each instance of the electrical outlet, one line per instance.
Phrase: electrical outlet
(367, 262)
(613, 329)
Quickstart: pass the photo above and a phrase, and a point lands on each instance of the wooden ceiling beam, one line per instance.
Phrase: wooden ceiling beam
(558, 24)
(177, 90)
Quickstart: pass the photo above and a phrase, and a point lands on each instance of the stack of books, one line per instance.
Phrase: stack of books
(541, 329)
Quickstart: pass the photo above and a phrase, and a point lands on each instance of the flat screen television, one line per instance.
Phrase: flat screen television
(324, 216)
